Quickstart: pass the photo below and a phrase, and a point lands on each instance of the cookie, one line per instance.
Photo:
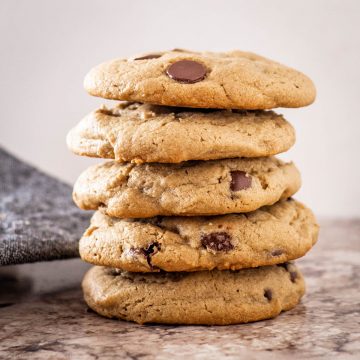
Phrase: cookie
(190, 188)
(229, 80)
(205, 297)
(267, 236)
(148, 133)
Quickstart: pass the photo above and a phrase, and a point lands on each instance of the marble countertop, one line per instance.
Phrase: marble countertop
(43, 316)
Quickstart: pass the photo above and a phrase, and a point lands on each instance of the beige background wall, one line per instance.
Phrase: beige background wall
(47, 46)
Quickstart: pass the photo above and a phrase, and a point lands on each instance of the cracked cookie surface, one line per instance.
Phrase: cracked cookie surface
(270, 235)
(205, 297)
(133, 132)
(228, 80)
(190, 188)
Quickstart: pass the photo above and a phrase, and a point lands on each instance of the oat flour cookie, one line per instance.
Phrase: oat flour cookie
(206, 297)
(148, 133)
(267, 236)
(231, 80)
(191, 188)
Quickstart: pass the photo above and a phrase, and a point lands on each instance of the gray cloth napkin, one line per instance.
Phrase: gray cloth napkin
(38, 220)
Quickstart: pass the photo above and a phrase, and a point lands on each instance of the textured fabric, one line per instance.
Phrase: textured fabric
(38, 220)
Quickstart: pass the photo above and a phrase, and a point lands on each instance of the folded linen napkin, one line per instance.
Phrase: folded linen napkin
(38, 220)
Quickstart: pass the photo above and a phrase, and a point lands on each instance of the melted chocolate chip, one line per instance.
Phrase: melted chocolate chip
(147, 252)
(240, 180)
(293, 276)
(186, 71)
(217, 241)
(268, 294)
(277, 252)
(151, 250)
(147, 57)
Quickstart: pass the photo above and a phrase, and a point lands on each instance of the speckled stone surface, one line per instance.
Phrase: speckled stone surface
(38, 220)
(43, 316)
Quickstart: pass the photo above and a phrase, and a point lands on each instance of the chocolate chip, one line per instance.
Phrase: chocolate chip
(147, 252)
(217, 241)
(151, 250)
(240, 180)
(293, 276)
(277, 252)
(147, 57)
(268, 294)
(186, 71)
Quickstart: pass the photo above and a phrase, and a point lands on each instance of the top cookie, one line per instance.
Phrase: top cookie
(231, 80)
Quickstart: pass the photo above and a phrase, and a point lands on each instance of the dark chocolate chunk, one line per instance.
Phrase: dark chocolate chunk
(240, 180)
(217, 241)
(147, 57)
(268, 294)
(186, 71)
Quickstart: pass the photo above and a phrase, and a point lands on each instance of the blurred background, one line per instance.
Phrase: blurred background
(48, 46)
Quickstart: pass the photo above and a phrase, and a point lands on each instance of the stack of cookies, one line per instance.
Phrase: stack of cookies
(195, 221)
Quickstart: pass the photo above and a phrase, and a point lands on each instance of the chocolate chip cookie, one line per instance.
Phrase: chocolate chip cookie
(229, 80)
(205, 297)
(190, 188)
(148, 133)
(267, 236)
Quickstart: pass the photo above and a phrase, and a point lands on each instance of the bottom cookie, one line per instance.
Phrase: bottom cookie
(204, 297)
